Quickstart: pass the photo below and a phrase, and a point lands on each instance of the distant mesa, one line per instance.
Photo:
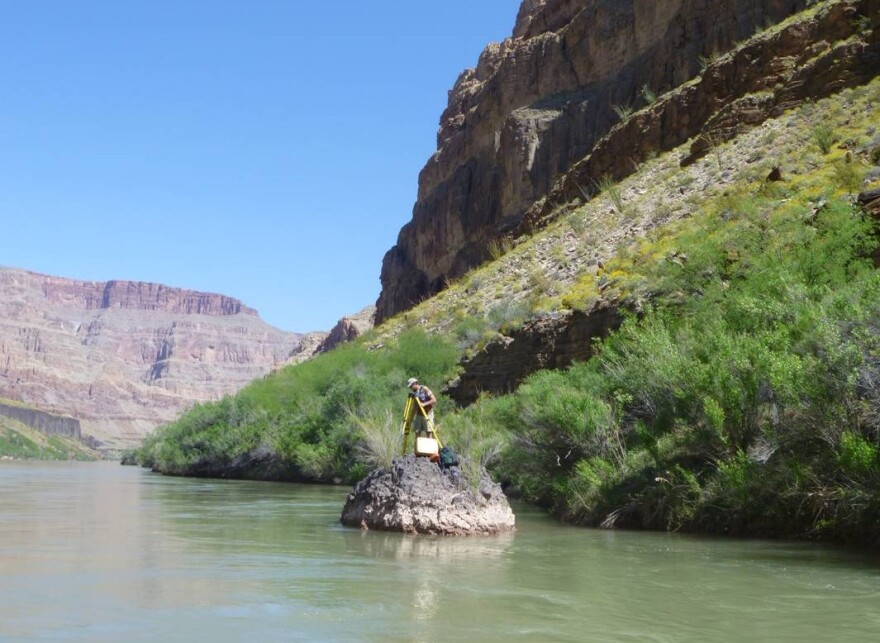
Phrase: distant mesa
(137, 295)
(124, 357)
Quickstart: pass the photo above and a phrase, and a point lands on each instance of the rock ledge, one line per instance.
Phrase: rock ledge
(417, 496)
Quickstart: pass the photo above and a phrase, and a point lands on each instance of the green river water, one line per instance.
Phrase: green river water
(101, 552)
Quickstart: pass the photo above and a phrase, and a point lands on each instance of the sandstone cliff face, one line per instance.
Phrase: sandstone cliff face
(124, 357)
(535, 105)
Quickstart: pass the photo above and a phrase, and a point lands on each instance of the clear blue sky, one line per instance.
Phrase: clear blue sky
(268, 150)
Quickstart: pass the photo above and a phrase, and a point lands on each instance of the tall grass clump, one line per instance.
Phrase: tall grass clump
(623, 112)
(606, 185)
(823, 136)
(381, 438)
(499, 247)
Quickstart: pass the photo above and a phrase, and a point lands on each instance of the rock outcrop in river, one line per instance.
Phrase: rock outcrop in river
(418, 496)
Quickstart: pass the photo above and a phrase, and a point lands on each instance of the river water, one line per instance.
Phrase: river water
(101, 552)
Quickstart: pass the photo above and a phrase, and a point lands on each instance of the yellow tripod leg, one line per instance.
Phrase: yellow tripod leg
(407, 423)
(429, 422)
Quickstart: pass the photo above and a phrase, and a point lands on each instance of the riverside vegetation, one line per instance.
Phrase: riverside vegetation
(741, 395)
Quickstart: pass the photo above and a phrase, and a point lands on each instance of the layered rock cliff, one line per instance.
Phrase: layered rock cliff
(123, 357)
(535, 105)
(48, 423)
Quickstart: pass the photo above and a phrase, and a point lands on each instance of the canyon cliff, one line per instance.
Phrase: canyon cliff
(123, 357)
(538, 103)
(580, 141)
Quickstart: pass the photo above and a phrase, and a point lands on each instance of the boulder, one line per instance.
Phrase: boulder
(418, 496)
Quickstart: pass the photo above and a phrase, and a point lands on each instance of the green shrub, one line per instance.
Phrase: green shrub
(670, 502)
(592, 479)
(848, 175)
(857, 456)
(720, 410)
(469, 330)
(509, 314)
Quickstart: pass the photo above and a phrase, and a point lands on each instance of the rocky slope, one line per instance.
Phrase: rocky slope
(538, 103)
(810, 56)
(554, 341)
(124, 357)
(348, 328)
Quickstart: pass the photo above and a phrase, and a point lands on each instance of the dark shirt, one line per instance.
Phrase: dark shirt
(424, 394)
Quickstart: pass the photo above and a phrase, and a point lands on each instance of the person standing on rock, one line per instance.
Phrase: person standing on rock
(423, 423)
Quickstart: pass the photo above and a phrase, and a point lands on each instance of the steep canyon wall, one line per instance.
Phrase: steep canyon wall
(535, 105)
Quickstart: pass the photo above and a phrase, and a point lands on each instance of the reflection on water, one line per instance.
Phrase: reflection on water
(101, 552)
(430, 550)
